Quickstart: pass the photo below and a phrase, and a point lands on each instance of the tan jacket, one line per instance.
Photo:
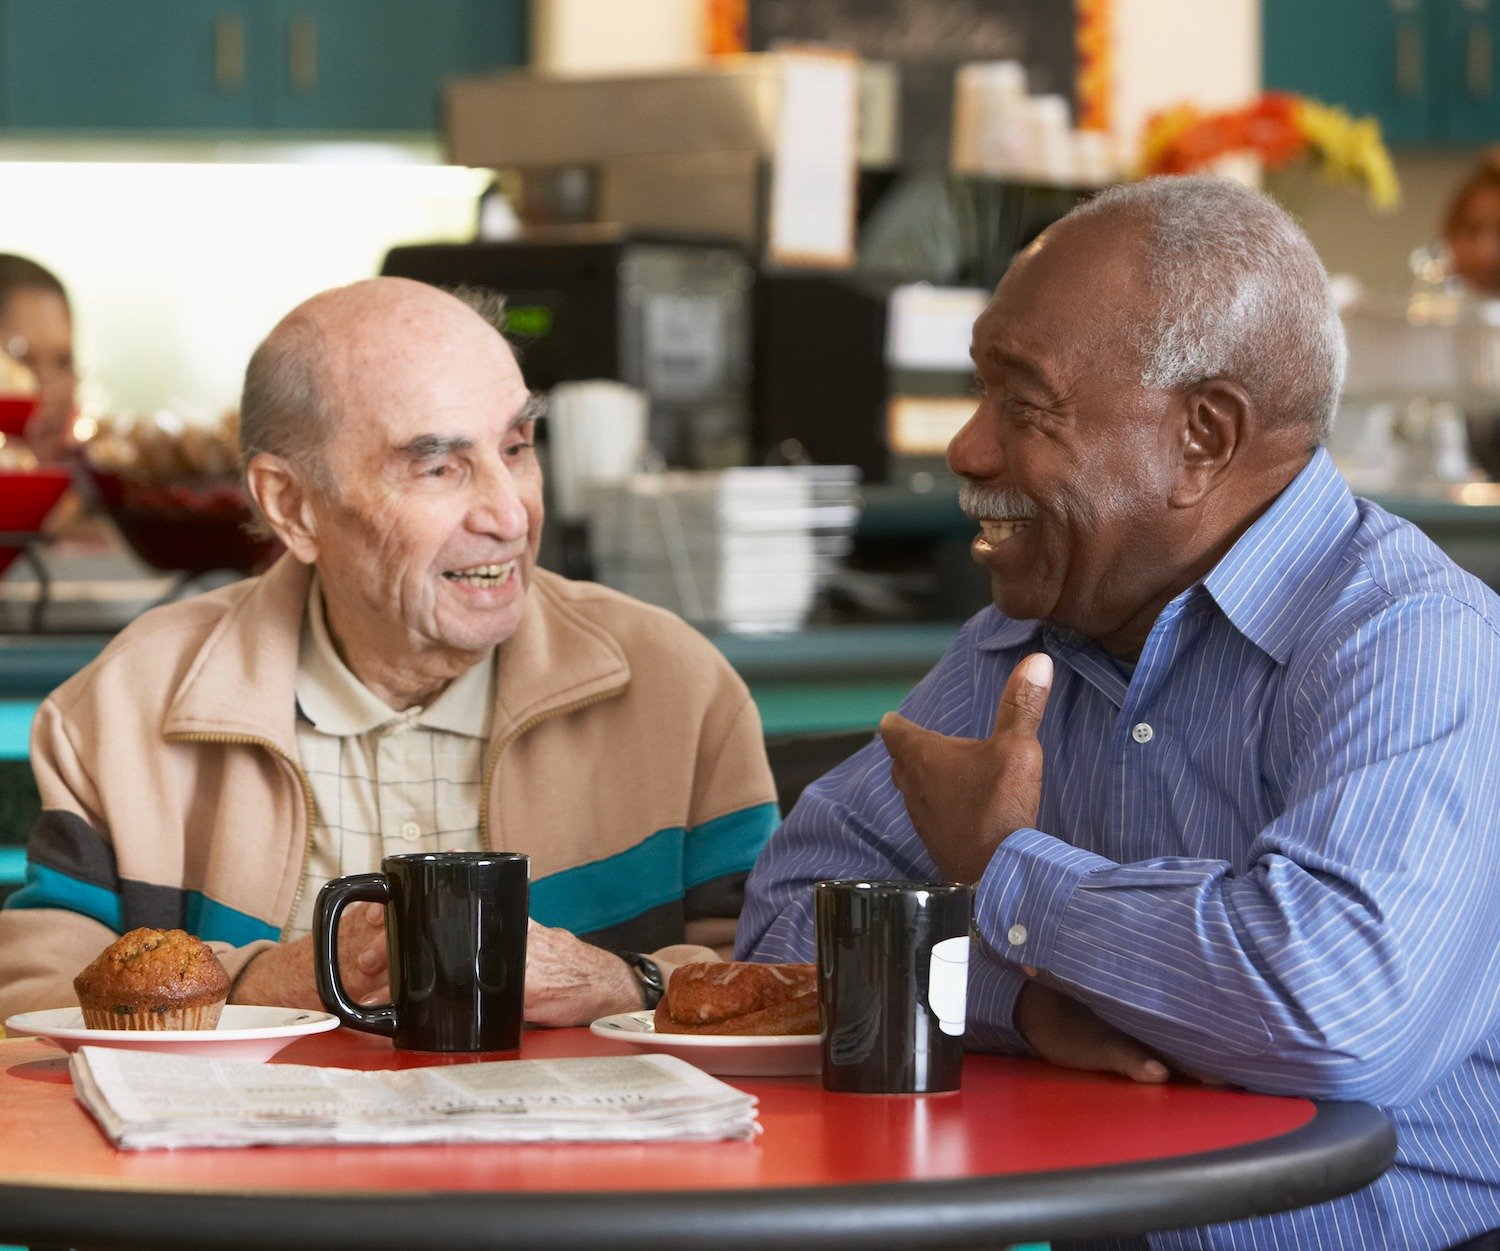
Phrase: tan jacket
(625, 758)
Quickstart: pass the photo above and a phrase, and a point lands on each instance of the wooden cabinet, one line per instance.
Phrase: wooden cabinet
(1425, 68)
(244, 65)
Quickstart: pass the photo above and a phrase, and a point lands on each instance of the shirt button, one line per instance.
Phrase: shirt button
(1029, 970)
(411, 831)
(1016, 935)
(1142, 733)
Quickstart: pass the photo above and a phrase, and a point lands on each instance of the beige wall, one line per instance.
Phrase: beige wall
(1171, 51)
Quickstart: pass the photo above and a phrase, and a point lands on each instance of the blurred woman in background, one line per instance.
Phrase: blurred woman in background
(1471, 230)
(36, 328)
(1471, 234)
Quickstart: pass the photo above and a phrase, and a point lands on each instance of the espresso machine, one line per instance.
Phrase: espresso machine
(670, 317)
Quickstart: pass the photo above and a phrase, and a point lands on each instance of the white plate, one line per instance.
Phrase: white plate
(728, 1055)
(244, 1033)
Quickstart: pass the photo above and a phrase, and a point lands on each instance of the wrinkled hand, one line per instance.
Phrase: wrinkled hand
(571, 982)
(282, 976)
(1064, 1032)
(966, 795)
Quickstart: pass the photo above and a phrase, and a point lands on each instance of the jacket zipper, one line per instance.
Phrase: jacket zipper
(310, 804)
(492, 761)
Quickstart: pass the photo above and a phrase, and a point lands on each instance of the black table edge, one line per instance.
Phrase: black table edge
(1345, 1147)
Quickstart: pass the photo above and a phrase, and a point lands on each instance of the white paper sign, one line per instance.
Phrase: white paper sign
(814, 166)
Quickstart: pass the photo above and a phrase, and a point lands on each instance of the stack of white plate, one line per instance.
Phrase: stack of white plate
(740, 549)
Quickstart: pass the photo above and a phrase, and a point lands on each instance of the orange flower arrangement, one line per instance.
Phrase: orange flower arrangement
(1279, 128)
(726, 27)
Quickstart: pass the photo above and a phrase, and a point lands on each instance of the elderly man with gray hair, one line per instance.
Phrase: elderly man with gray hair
(1223, 760)
(404, 679)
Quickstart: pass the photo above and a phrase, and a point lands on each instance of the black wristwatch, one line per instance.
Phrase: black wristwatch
(649, 973)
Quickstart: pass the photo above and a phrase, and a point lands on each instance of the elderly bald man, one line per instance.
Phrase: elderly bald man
(1223, 760)
(404, 679)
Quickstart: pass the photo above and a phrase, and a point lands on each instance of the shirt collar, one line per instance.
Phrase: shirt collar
(466, 703)
(338, 703)
(1263, 582)
(998, 632)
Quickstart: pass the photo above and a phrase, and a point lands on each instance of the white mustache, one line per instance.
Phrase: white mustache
(984, 503)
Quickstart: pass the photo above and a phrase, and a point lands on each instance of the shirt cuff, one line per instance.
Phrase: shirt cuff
(1024, 893)
(991, 1011)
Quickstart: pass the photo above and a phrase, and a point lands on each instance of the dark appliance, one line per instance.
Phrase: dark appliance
(669, 317)
(851, 370)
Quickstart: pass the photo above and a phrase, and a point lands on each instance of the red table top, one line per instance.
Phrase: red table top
(1012, 1116)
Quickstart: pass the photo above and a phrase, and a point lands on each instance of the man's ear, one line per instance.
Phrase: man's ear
(282, 497)
(1215, 426)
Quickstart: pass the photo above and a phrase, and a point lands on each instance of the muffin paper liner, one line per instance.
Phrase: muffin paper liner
(205, 1016)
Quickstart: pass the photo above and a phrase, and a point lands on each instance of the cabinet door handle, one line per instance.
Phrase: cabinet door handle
(1479, 61)
(229, 52)
(1408, 60)
(302, 54)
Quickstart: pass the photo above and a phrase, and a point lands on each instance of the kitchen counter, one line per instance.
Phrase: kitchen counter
(888, 511)
(820, 692)
(1462, 519)
(819, 680)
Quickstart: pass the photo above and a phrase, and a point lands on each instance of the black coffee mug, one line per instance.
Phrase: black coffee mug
(892, 978)
(455, 928)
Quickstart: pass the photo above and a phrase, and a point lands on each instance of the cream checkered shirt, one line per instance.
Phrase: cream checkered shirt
(384, 782)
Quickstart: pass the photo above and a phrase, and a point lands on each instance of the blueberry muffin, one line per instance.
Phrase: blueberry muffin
(153, 979)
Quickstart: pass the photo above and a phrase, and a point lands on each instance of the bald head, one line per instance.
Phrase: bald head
(322, 360)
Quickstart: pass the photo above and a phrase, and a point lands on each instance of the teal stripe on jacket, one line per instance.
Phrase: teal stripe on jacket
(47, 888)
(658, 871)
(217, 923)
(205, 917)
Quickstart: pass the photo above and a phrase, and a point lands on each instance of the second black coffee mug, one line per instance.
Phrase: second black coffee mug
(892, 981)
(455, 928)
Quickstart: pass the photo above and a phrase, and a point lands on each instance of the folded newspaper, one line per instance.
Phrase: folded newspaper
(149, 1099)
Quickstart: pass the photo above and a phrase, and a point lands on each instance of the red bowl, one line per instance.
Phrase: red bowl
(26, 497)
(188, 526)
(15, 412)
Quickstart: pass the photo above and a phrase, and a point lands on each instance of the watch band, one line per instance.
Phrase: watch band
(649, 973)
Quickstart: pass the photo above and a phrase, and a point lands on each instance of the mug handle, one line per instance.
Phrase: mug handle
(332, 900)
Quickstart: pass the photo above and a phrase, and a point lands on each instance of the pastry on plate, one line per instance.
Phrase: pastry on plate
(737, 997)
(153, 980)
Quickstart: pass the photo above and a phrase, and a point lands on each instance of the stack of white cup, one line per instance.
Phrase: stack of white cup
(1002, 132)
(596, 433)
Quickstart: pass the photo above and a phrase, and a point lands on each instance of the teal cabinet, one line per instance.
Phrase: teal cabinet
(380, 64)
(1425, 68)
(1370, 56)
(157, 65)
(244, 65)
(1464, 45)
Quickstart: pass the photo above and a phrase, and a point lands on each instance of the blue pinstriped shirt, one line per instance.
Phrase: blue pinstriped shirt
(1273, 854)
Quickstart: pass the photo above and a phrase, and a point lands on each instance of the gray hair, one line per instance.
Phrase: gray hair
(284, 406)
(1241, 293)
